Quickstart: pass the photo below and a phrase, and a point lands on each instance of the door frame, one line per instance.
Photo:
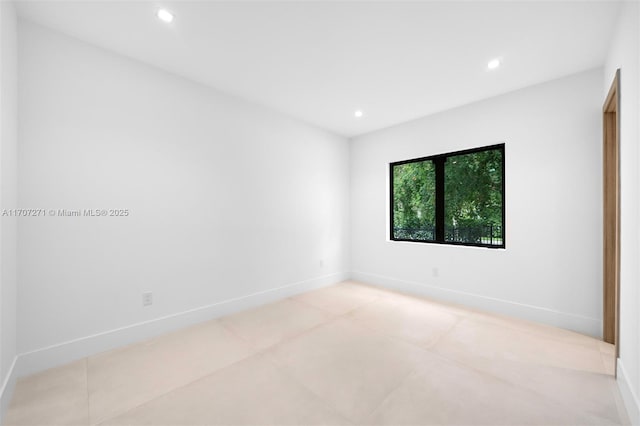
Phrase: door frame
(611, 214)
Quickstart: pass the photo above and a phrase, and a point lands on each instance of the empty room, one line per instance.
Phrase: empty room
(319, 212)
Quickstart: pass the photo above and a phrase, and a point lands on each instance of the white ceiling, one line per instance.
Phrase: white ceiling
(320, 61)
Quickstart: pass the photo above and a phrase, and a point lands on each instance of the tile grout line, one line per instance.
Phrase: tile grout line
(408, 376)
(282, 370)
(178, 388)
(334, 318)
(262, 352)
(266, 349)
(331, 317)
(511, 323)
(346, 316)
(460, 319)
(409, 341)
(236, 335)
(243, 358)
(478, 370)
(258, 351)
(415, 371)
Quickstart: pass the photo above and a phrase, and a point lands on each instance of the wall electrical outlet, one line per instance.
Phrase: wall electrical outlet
(147, 299)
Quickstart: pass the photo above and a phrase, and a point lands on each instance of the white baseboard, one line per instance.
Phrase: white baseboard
(8, 385)
(629, 397)
(65, 352)
(578, 323)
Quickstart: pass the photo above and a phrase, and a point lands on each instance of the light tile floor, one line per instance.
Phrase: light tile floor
(347, 354)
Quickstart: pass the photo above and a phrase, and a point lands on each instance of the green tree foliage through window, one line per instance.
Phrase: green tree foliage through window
(471, 198)
(414, 200)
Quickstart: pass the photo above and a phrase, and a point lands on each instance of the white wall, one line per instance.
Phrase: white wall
(231, 204)
(551, 269)
(624, 53)
(8, 176)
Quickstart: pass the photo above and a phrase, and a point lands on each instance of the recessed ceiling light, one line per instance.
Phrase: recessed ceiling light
(494, 63)
(358, 113)
(165, 15)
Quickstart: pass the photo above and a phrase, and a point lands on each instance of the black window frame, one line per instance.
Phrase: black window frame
(439, 161)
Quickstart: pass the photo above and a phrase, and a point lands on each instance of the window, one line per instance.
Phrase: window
(455, 198)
